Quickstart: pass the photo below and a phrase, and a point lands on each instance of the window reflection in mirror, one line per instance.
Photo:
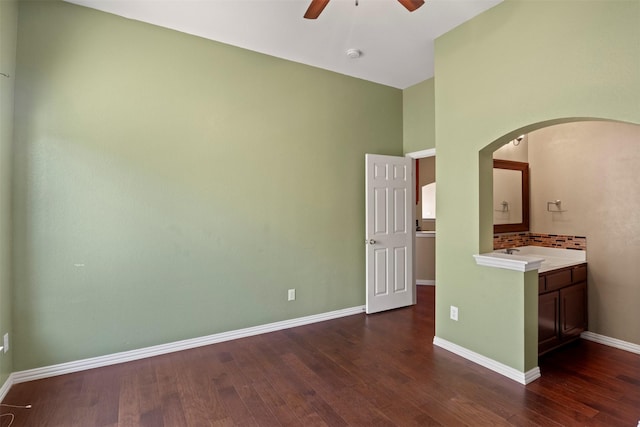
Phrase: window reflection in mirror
(507, 196)
(429, 201)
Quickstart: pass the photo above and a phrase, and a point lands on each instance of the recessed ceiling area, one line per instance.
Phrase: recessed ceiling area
(396, 45)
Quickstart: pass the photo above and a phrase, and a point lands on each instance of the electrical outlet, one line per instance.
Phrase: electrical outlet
(453, 313)
(6, 342)
(291, 295)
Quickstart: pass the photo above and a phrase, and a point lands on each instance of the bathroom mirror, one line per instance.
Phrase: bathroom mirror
(510, 196)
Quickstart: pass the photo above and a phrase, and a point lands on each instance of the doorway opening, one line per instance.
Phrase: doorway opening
(424, 241)
(583, 197)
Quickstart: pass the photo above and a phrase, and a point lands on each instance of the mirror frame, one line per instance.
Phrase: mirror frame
(524, 169)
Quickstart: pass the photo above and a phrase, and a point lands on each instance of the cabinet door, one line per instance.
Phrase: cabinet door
(573, 310)
(548, 321)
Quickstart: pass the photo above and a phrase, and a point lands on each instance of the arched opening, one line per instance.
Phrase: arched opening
(590, 167)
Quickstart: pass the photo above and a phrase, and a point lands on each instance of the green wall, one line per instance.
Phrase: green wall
(8, 34)
(418, 117)
(170, 187)
(519, 66)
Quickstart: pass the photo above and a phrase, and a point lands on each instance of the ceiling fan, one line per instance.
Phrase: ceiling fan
(317, 6)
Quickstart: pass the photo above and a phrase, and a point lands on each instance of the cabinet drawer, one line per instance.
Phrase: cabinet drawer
(541, 284)
(579, 274)
(558, 280)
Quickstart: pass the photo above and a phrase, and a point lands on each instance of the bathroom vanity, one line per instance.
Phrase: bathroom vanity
(562, 306)
(562, 289)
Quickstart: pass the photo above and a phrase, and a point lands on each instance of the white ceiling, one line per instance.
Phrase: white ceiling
(397, 45)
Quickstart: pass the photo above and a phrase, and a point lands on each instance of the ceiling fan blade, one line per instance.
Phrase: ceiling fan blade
(315, 8)
(411, 5)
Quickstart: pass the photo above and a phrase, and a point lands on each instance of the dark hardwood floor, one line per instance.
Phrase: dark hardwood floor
(360, 370)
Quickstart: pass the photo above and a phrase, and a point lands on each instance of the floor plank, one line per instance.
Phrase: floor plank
(375, 370)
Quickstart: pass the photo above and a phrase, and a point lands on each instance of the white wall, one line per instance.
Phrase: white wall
(515, 153)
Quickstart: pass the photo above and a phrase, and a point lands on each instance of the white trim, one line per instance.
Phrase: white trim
(422, 154)
(531, 375)
(426, 234)
(509, 372)
(128, 356)
(611, 342)
(426, 282)
(5, 387)
(509, 262)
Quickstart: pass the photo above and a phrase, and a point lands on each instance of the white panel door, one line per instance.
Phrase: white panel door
(389, 232)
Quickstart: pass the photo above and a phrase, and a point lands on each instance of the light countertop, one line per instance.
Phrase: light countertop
(528, 258)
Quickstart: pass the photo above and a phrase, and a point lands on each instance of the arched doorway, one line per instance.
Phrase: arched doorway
(591, 167)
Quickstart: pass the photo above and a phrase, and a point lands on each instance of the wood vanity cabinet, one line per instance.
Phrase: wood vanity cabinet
(562, 306)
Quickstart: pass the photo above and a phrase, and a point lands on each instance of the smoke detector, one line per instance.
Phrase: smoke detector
(354, 53)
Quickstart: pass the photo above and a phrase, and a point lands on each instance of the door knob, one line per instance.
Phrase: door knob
(370, 241)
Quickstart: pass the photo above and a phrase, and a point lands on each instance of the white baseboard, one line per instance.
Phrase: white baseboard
(611, 342)
(426, 282)
(128, 356)
(5, 387)
(509, 372)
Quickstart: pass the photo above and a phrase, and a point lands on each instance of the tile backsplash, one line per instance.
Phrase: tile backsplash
(511, 240)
